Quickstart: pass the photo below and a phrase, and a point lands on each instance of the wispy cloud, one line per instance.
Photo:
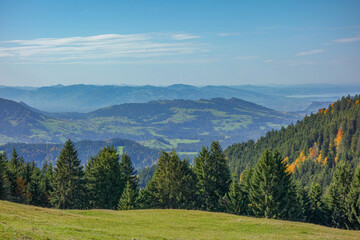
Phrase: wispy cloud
(184, 36)
(347, 40)
(293, 63)
(99, 47)
(247, 57)
(269, 60)
(309, 52)
(228, 34)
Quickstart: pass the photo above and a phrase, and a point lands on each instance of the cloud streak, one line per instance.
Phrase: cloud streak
(347, 40)
(309, 52)
(100, 47)
(184, 36)
(247, 57)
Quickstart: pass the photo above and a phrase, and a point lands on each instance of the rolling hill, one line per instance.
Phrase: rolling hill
(140, 156)
(185, 125)
(28, 222)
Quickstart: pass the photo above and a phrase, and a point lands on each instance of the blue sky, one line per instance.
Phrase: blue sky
(189, 42)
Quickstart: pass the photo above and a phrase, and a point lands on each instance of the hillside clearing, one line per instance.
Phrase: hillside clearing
(28, 222)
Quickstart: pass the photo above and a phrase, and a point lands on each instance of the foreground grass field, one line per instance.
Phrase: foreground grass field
(28, 222)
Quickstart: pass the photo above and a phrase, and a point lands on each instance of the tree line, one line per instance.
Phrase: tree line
(110, 182)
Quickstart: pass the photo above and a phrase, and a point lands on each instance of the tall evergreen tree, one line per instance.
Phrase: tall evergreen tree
(68, 180)
(353, 202)
(128, 173)
(303, 204)
(148, 196)
(35, 192)
(213, 176)
(15, 174)
(128, 197)
(46, 183)
(103, 183)
(236, 200)
(272, 192)
(336, 195)
(4, 184)
(173, 183)
(318, 212)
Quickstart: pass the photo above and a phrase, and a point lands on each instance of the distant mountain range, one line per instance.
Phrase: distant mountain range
(140, 156)
(85, 98)
(185, 125)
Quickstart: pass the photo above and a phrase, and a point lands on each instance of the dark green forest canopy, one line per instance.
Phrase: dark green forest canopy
(312, 146)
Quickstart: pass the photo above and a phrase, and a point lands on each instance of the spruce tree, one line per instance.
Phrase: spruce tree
(103, 183)
(148, 196)
(45, 183)
(317, 208)
(15, 172)
(204, 183)
(213, 176)
(236, 200)
(272, 193)
(173, 183)
(128, 197)
(336, 195)
(303, 204)
(35, 192)
(68, 180)
(128, 173)
(353, 202)
(4, 184)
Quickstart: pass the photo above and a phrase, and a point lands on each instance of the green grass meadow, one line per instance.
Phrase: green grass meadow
(28, 222)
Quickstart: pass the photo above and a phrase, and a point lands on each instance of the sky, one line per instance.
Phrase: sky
(170, 42)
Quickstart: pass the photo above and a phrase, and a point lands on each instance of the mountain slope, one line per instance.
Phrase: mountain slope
(47, 223)
(15, 117)
(140, 156)
(186, 125)
(313, 146)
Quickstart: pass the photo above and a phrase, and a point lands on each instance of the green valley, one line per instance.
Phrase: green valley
(185, 125)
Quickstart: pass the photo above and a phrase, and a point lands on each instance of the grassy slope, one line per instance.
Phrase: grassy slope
(28, 222)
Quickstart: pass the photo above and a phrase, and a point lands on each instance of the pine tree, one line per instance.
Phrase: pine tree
(213, 176)
(245, 185)
(128, 173)
(45, 183)
(15, 174)
(203, 178)
(318, 211)
(236, 200)
(173, 185)
(128, 197)
(336, 196)
(68, 182)
(272, 193)
(303, 204)
(353, 202)
(35, 193)
(103, 183)
(4, 184)
(148, 196)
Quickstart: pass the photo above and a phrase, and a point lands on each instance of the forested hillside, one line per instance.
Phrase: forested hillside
(311, 147)
(47, 152)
